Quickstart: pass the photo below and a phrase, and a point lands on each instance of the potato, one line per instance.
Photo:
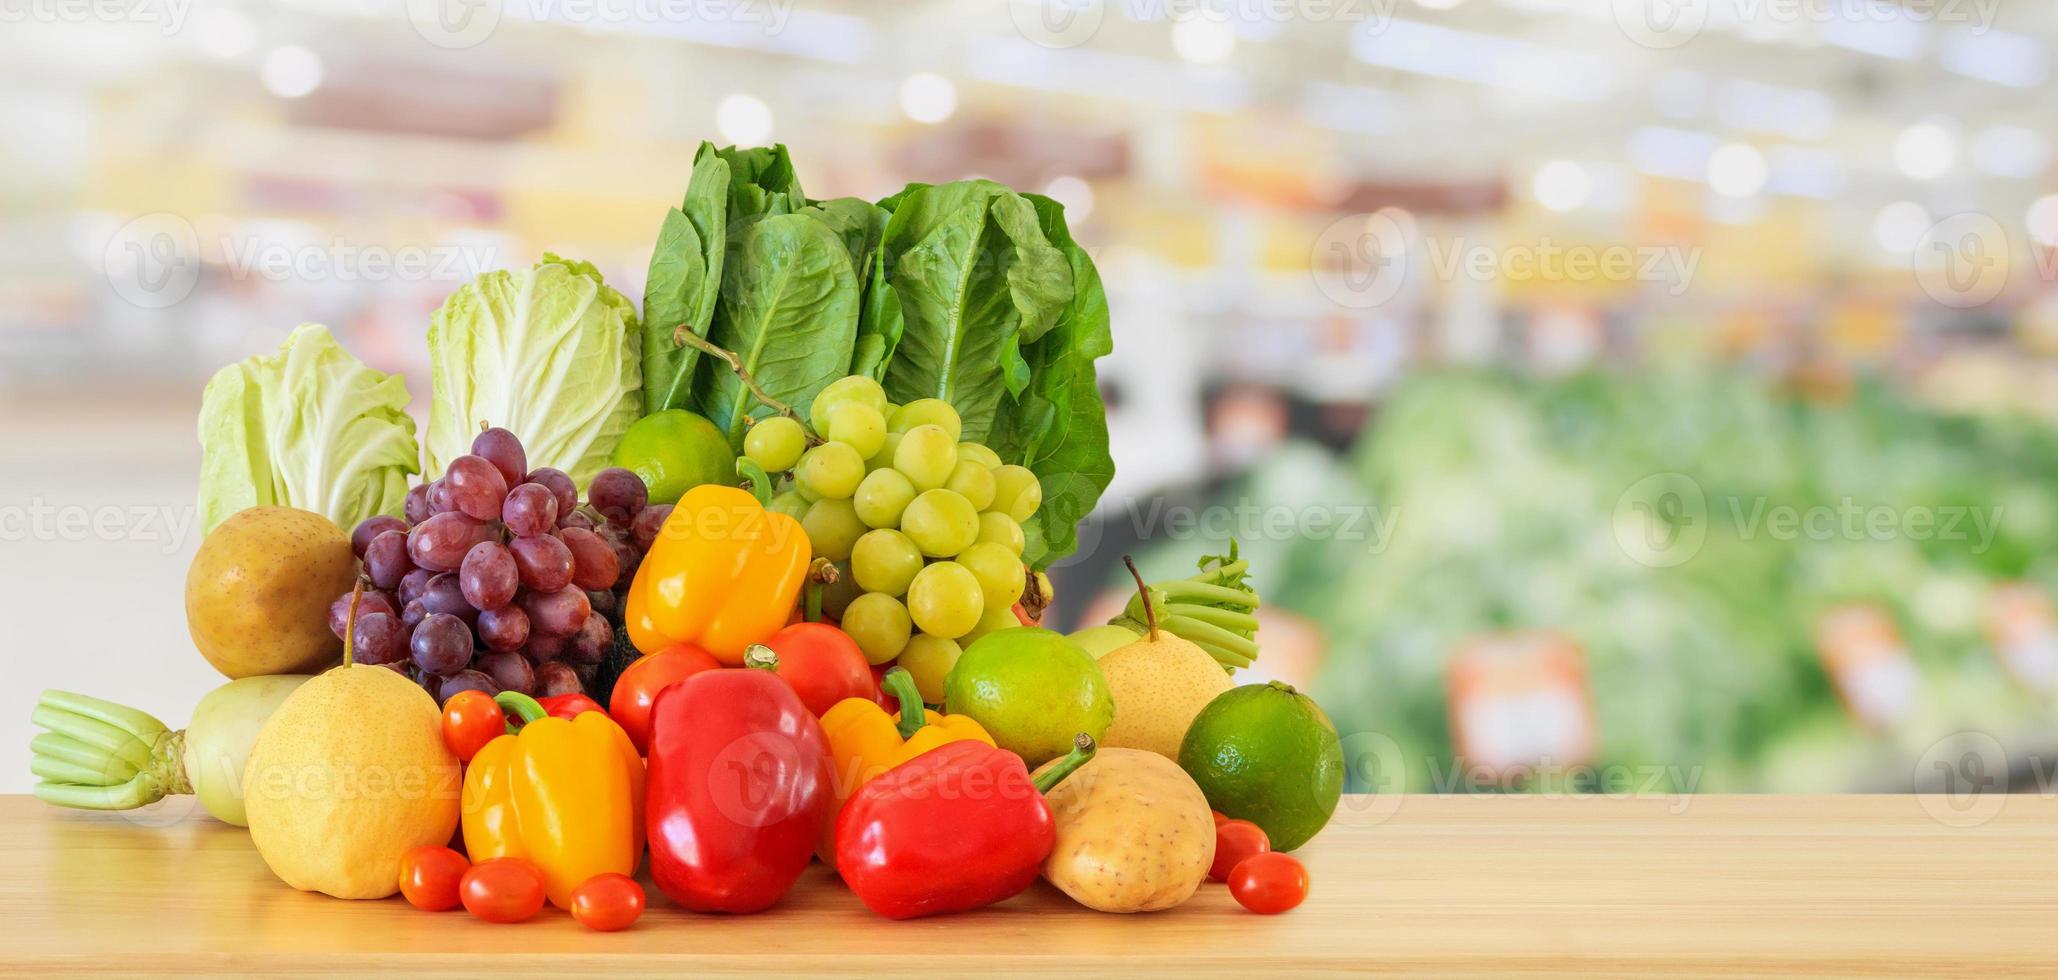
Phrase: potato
(1134, 833)
(258, 593)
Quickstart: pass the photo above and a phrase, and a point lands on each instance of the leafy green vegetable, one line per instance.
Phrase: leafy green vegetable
(550, 352)
(685, 281)
(309, 427)
(790, 308)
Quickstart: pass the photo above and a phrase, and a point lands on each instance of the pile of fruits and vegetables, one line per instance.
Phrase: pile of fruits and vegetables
(786, 521)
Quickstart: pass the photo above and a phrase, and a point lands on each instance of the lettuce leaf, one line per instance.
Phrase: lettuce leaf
(551, 352)
(685, 281)
(309, 427)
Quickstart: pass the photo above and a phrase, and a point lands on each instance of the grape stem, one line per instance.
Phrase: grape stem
(685, 335)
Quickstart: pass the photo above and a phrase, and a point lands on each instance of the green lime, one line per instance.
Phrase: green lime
(1032, 689)
(1267, 754)
(675, 451)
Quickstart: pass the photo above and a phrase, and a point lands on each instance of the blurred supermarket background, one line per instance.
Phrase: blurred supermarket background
(1633, 395)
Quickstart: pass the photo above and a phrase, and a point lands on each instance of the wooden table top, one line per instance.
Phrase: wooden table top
(1738, 885)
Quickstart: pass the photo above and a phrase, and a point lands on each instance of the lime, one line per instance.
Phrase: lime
(675, 451)
(1032, 689)
(1267, 754)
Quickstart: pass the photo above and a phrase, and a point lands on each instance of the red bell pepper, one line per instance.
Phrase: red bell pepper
(738, 790)
(956, 828)
(568, 706)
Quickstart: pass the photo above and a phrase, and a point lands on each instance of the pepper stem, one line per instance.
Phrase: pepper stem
(821, 574)
(901, 684)
(755, 479)
(1150, 612)
(1083, 748)
(518, 705)
(761, 657)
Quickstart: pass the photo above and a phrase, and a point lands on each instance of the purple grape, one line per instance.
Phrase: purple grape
(594, 563)
(603, 601)
(417, 508)
(476, 487)
(439, 499)
(369, 602)
(531, 509)
(509, 671)
(576, 518)
(440, 543)
(386, 562)
(378, 639)
(488, 577)
(542, 647)
(622, 542)
(446, 596)
(586, 673)
(500, 447)
(442, 644)
(649, 523)
(505, 629)
(412, 615)
(553, 679)
(412, 584)
(370, 528)
(465, 680)
(592, 642)
(617, 494)
(559, 613)
(544, 561)
(559, 482)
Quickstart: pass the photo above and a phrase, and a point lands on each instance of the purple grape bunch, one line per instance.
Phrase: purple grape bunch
(497, 579)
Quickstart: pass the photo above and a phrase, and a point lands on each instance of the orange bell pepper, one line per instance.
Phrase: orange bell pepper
(865, 742)
(723, 574)
(564, 794)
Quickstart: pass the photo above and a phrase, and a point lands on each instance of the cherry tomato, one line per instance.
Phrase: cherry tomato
(607, 902)
(502, 890)
(822, 664)
(1234, 841)
(639, 685)
(429, 877)
(1219, 817)
(470, 720)
(1269, 883)
(569, 706)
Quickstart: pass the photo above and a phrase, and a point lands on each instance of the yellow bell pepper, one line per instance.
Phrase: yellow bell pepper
(564, 795)
(722, 575)
(865, 742)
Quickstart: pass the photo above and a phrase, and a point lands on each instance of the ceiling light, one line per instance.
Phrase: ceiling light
(1737, 170)
(1925, 151)
(928, 98)
(291, 71)
(744, 120)
(1561, 185)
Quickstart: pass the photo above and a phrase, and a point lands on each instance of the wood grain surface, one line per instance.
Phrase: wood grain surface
(1718, 886)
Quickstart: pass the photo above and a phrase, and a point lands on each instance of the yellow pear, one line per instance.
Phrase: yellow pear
(348, 775)
(1159, 683)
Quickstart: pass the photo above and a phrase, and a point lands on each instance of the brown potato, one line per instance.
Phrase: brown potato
(258, 593)
(1134, 833)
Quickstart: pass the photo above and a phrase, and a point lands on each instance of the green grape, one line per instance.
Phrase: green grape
(883, 459)
(978, 454)
(881, 498)
(1000, 529)
(991, 619)
(838, 595)
(775, 443)
(928, 660)
(944, 600)
(879, 624)
(893, 418)
(926, 455)
(884, 560)
(931, 411)
(856, 388)
(790, 503)
(830, 471)
(941, 523)
(858, 425)
(999, 571)
(973, 482)
(832, 526)
(1016, 492)
(806, 492)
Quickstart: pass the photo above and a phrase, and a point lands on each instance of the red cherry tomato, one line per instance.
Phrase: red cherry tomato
(1234, 841)
(502, 890)
(429, 877)
(822, 664)
(1269, 883)
(639, 685)
(470, 720)
(1218, 815)
(607, 902)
